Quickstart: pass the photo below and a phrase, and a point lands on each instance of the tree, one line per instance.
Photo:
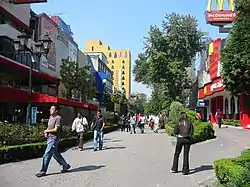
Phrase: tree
(168, 52)
(235, 56)
(137, 105)
(77, 80)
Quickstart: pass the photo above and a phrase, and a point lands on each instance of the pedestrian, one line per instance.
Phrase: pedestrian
(132, 123)
(184, 132)
(52, 134)
(142, 121)
(80, 125)
(122, 122)
(219, 116)
(97, 127)
(127, 123)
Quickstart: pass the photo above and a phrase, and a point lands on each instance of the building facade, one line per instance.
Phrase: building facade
(212, 92)
(102, 73)
(119, 61)
(15, 66)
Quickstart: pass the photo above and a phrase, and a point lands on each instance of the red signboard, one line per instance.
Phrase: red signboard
(214, 59)
(221, 16)
(28, 1)
(211, 88)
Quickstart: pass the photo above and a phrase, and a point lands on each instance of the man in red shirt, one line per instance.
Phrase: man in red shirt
(219, 116)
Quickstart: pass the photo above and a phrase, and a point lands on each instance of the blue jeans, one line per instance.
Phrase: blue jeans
(52, 150)
(98, 137)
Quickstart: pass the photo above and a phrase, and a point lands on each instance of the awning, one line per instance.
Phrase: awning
(6, 62)
(15, 20)
(10, 94)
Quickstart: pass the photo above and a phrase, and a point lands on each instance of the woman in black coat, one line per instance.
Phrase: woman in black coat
(184, 131)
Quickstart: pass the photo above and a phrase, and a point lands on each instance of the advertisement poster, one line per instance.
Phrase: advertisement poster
(47, 27)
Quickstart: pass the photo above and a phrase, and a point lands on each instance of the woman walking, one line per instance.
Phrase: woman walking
(184, 132)
(132, 124)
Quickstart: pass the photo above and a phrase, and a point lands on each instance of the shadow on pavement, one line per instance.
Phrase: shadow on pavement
(80, 169)
(201, 168)
(110, 148)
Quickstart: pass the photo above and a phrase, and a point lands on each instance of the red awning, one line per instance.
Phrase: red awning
(24, 68)
(9, 94)
(15, 20)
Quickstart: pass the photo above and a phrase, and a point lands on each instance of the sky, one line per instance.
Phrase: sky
(122, 24)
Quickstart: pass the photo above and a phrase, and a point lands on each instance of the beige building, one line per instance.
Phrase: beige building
(119, 61)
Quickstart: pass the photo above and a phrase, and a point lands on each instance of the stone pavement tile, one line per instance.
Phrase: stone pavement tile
(138, 160)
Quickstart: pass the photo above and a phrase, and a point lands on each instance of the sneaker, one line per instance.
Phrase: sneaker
(80, 149)
(66, 169)
(173, 171)
(95, 149)
(41, 174)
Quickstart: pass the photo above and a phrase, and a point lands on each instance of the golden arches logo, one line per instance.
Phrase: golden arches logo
(220, 5)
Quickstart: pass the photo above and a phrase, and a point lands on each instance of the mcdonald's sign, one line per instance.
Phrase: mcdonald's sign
(220, 16)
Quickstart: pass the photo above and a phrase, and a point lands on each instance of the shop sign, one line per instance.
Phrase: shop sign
(216, 85)
(220, 15)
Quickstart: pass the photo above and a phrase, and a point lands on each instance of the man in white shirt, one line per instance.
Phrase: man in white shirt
(80, 125)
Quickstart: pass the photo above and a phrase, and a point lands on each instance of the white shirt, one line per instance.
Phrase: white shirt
(79, 123)
(142, 119)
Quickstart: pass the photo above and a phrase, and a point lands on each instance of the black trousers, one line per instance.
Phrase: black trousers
(182, 142)
(122, 127)
(219, 122)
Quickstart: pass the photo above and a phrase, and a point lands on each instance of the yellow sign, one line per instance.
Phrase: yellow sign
(220, 5)
(205, 90)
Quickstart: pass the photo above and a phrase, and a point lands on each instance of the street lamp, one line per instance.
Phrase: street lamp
(41, 47)
(104, 81)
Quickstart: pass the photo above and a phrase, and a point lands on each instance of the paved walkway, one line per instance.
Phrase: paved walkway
(141, 160)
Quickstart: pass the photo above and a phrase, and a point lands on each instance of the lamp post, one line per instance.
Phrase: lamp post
(41, 47)
(104, 81)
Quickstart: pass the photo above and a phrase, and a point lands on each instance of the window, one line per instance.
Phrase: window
(123, 72)
(110, 54)
(120, 54)
(113, 62)
(232, 105)
(92, 48)
(123, 67)
(126, 55)
(112, 67)
(123, 62)
(122, 83)
(226, 106)
(115, 55)
(123, 78)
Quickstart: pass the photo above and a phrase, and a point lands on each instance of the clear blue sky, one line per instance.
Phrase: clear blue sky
(122, 24)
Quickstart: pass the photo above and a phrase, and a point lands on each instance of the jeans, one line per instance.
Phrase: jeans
(132, 128)
(186, 142)
(98, 137)
(52, 150)
(219, 121)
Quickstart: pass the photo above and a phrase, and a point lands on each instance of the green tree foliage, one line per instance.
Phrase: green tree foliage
(168, 52)
(235, 56)
(77, 80)
(137, 105)
(118, 97)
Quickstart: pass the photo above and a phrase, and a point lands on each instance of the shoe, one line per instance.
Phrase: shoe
(80, 149)
(95, 149)
(186, 173)
(41, 174)
(66, 169)
(173, 171)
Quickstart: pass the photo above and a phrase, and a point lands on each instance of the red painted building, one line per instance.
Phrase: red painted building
(212, 90)
(14, 71)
